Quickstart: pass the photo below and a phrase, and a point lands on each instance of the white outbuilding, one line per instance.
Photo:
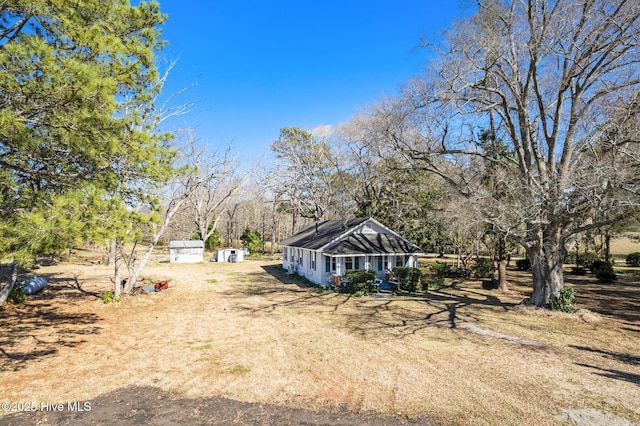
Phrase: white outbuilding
(229, 254)
(187, 251)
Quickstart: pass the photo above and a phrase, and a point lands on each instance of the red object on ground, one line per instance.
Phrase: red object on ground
(161, 285)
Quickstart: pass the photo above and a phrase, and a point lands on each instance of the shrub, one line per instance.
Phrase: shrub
(564, 301)
(586, 260)
(359, 280)
(633, 259)
(16, 295)
(461, 273)
(439, 269)
(109, 297)
(523, 264)
(408, 278)
(435, 283)
(598, 265)
(578, 270)
(604, 271)
(251, 240)
(606, 276)
(483, 267)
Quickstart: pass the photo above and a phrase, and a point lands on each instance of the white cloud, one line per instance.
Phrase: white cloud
(322, 131)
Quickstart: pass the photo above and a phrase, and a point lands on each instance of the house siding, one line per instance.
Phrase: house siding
(300, 261)
(323, 272)
(346, 248)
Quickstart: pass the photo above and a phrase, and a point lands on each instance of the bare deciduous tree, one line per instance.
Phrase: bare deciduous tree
(560, 79)
(219, 180)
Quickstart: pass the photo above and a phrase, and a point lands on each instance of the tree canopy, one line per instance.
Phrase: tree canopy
(77, 89)
(558, 83)
(66, 69)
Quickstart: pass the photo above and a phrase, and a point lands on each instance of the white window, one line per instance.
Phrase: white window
(312, 257)
(348, 263)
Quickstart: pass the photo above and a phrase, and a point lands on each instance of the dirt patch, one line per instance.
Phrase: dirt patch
(148, 405)
(473, 328)
(591, 417)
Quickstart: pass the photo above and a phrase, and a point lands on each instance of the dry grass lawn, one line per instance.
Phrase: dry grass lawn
(248, 332)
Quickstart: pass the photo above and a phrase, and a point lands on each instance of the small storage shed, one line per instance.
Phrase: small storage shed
(187, 251)
(229, 254)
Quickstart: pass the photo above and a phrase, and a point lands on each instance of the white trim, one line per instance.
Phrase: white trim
(371, 254)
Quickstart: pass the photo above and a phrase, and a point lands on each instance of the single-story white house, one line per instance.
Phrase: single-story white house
(229, 254)
(186, 251)
(327, 249)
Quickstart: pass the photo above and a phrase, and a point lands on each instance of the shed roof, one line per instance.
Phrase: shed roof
(186, 244)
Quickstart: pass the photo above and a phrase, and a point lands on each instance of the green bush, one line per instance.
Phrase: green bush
(586, 260)
(433, 283)
(251, 240)
(16, 295)
(564, 301)
(483, 267)
(359, 280)
(523, 264)
(439, 269)
(578, 270)
(599, 265)
(408, 278)
(459, 273)
(633, 259)
(109, 297)
(604, 271)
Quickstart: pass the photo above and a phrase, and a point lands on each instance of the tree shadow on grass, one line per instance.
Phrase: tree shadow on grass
(284, 277)
(279, 290)
(616, 356)
(42, 325)
(619, 300)
(614, 374)
(394, 316)
(409, 313)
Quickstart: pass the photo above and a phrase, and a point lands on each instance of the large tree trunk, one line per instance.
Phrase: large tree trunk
(546, 261)
(4, 293)
(135, 271)
(134, 274)
(503, 285)
(607, 245)
(117, 263)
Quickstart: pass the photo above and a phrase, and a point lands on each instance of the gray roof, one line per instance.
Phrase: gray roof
(330, 230)
(373, 244)
(327, 231)
(187, 244)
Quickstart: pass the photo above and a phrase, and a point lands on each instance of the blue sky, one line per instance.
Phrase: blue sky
(259, 66)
